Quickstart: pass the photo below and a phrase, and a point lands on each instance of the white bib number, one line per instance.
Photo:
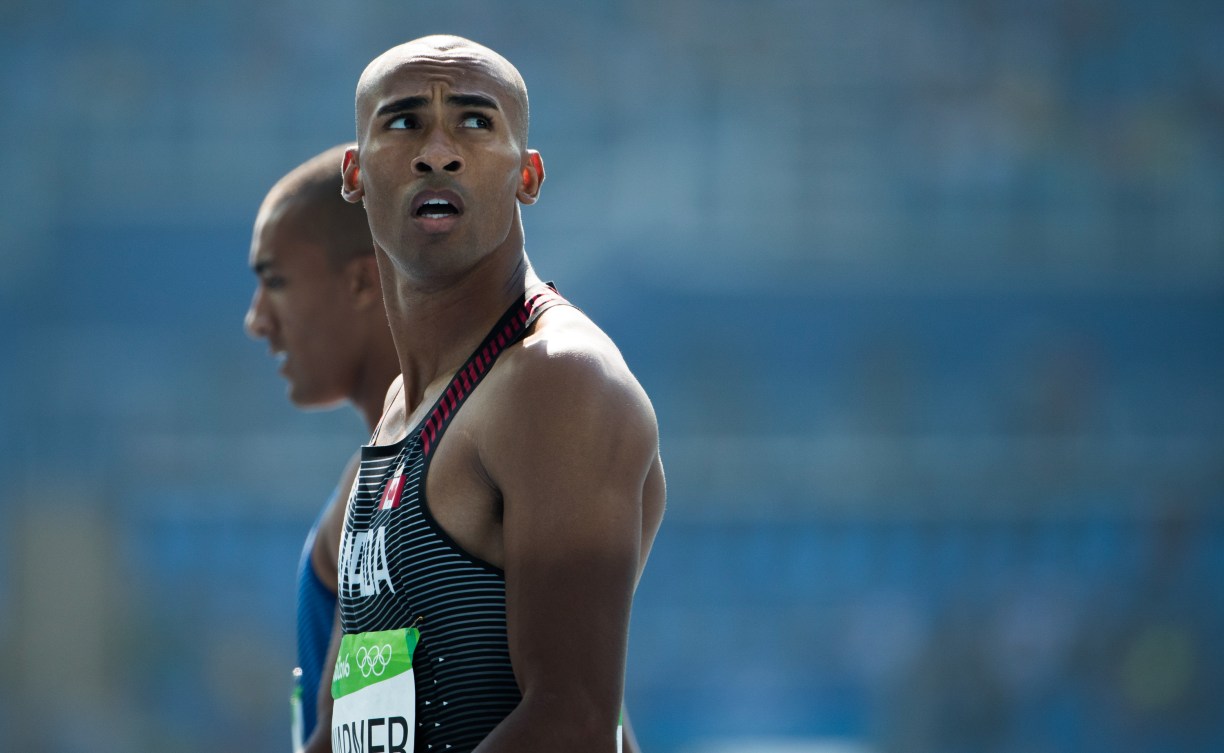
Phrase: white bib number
(374, 693)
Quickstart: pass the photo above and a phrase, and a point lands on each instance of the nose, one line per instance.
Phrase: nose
(257, 322)
(438, 154)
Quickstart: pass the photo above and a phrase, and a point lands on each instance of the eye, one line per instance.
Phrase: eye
(273, 282)
(403, 122)
(475, 121)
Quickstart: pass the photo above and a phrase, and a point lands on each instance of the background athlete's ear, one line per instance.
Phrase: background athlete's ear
(532, 177)
(364, 281)
(350, 169)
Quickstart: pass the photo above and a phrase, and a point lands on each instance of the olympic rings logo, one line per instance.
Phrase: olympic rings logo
(373, 660)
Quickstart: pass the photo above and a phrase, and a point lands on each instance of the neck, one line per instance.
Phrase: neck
(378, 371)
(437, 324)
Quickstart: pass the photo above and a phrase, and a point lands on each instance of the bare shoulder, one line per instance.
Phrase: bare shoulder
(568, 370)
(566, 343)
(566, 397)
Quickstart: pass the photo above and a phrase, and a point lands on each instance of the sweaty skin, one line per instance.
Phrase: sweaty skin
(551, 470)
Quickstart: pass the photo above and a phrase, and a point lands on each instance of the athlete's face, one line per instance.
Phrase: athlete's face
(304, 308)
(441, 163)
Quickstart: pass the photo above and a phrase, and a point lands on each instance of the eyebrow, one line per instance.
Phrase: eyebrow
(402, 105)
(472, 100)
(407, 104)
(262, 266)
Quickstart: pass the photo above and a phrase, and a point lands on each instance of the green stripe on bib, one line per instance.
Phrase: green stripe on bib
(368, 658)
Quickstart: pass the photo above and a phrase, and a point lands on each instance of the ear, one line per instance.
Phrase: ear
(350, 170)
(532, 177)
(364, 282)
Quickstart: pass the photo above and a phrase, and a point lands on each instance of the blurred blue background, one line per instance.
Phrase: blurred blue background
(929, 297)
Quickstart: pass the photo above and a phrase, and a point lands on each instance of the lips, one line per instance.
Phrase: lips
(433, 207)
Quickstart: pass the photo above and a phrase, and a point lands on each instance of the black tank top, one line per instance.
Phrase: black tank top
(397, 567)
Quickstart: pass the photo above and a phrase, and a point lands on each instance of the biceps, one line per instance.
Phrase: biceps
(572, 483)
(570, 574)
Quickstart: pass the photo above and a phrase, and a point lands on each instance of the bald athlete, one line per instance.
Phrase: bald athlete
(518, 462)
(318, 303)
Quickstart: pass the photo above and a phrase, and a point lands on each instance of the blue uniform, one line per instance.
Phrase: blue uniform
(316, 613)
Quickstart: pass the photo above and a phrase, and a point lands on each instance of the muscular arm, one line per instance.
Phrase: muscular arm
(571, 457)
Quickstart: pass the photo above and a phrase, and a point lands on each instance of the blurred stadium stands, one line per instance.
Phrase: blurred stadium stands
(929, 298)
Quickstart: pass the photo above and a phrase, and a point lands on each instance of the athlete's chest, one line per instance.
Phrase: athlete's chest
(413, 500)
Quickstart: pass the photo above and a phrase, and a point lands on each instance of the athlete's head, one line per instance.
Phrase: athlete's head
(317, 302)
(441, 160)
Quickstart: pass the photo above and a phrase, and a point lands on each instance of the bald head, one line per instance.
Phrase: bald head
(308, 201)
(459, 58)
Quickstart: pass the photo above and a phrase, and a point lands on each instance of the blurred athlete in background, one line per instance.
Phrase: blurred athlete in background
(318, 304)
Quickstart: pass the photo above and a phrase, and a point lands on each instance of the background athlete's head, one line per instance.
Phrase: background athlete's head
(318, 302)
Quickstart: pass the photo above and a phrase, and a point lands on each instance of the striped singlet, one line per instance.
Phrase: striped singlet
(398, 566)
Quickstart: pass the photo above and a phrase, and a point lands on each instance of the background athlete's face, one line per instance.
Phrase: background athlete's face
(304, 308)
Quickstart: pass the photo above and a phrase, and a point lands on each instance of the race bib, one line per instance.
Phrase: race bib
(374, 693)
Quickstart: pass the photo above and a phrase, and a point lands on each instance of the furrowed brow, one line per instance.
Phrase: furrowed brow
(407, 104)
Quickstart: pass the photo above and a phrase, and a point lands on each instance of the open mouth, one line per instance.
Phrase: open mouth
(436, 209)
